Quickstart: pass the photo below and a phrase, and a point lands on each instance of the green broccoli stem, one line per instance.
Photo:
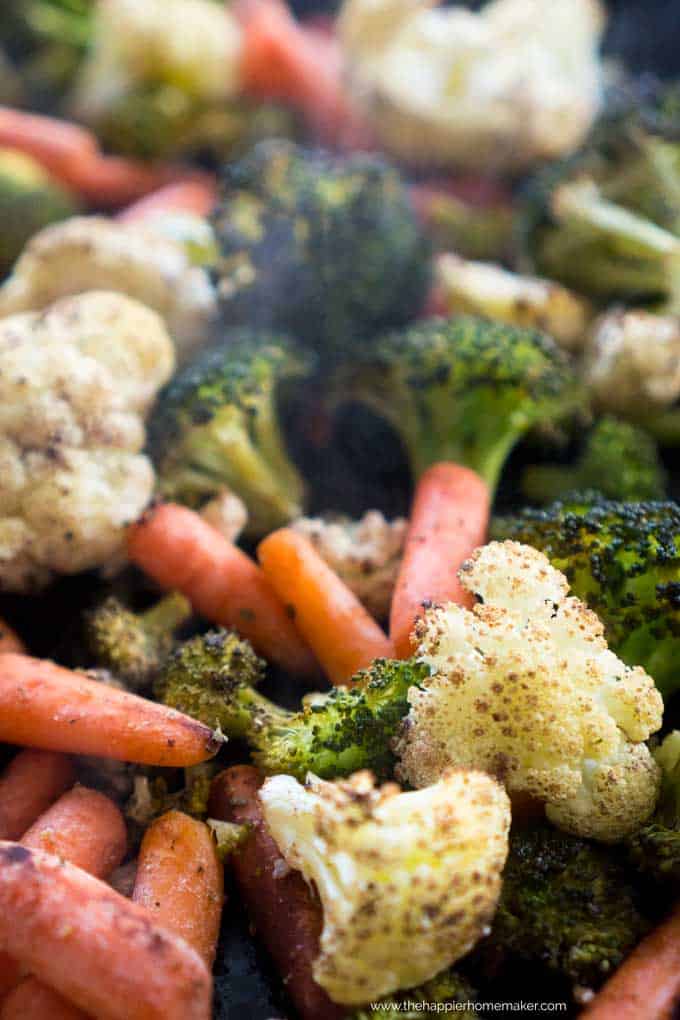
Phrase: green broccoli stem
(247, 714)
(664, 425)
(167, 615)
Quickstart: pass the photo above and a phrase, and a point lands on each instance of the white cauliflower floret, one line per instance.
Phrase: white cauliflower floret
(365, 553)
(632, 363)
(408, 882)
(497, 89)
(75, 383)
(482, 288)
(525, 687)
(94, 253)
(227, 513)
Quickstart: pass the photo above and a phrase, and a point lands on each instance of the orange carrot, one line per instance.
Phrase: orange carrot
(196, 194)
(9, 641)
(180, 550)
(180, 881)
(45, 705)
(71, 154)
(83, 827)
(94, 947)
(31, 1000)
(31, 782)
(647, 984)
(449, 519)
(342, 634)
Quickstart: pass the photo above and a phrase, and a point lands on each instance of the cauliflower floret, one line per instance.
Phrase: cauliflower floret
(632, 362)
(93, 253)
(482, 288)
(393, 871)
(524, 686)
(227, 513)
(498, 89)
(75, 382)
(365, 553)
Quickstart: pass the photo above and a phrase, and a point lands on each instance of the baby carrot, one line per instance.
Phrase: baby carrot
(83, 827)
(94, 947)
(449, 520)
(180, 550)
(647, 984)
(45, 705)
(196, 194)
(9, 641)
(286, 914)
(31, 782)
(339, 630)
(180, 880)
(31, 1000)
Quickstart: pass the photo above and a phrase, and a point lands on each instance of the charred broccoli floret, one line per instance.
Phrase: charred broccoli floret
(29, 200)
(132, 645)
(334, 734)
(618, 460)
(216, 425)
(607, 221)
(447, 987)
(328, 248)
(655, 849)
(623, 560)
(567, 905)
(461, 389)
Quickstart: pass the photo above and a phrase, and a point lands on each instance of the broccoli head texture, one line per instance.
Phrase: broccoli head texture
(566, 904)
(618, 459)
(461, 389)
(216, 425)
(134, 646)
(607, 220)
(655, 848)
(325, 247)
(334, 734)
(447, 987)
(623, 560)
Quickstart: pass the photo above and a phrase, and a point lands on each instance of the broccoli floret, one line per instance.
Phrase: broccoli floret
(325, 247)
(623, 560)
(153, 794)
(606, 221)
(334, 734)
(216, 425)
(29, 201)
(618, 460)
(567, 905)
(655, 849)
(447, 987)
(461, 389)
(132, 645)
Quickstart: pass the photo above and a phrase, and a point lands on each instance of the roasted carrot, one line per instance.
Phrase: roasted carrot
(9, 641)
(71, 154)
(286, 914)
(31, 1000)
(196, 194)
(180, 550)
(94, 947)
(340, 631)
(31, 782)
(647, 984)
(449, 519)
(83, 827)
(180, 880)
(44, 705)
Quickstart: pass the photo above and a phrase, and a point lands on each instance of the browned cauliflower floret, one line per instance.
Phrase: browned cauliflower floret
(393, 871)
(93, 253)
(365, 553)
(75, 383)
(525, 687)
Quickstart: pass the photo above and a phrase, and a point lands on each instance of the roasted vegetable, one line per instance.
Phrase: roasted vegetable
(655, 848)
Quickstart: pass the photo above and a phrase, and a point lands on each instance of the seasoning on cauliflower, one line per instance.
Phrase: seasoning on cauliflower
(499, 89)
(365, 553)
(525, 687)
(482, 288)
(632, 367)
(393, 871)
(75, 384)
(93, 253)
